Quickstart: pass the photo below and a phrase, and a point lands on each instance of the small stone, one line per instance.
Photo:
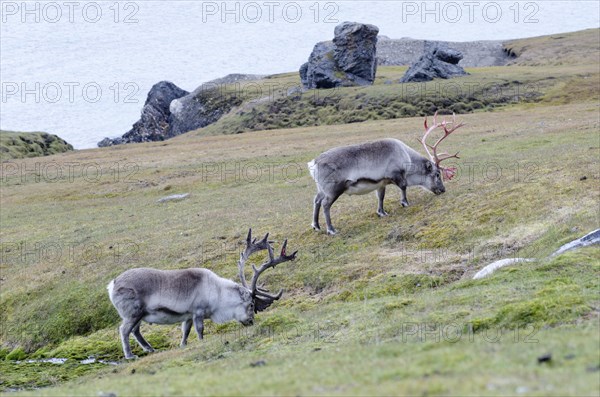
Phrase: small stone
(546, 358)
(583, 178)
(259, 363)
(174, 197)
(522, 390)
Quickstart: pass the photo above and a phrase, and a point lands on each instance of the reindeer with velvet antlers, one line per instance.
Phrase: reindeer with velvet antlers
(363, 168)
(189, 296)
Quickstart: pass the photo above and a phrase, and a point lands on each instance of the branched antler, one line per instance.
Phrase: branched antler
(436, 157)
(262, 297)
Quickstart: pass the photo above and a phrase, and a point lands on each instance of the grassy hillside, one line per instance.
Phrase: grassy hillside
(17, 145)
(574, 48)
(386, 307)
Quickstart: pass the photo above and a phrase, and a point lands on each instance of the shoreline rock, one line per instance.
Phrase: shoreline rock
(170, 111)
(154, 123)
(348, 60)
(438, 61)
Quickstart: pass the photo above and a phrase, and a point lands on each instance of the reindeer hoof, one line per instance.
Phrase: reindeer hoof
(316, 227)
(131, 357)
(331, 232)
(404, 203)
(381, 214)
(148, 349)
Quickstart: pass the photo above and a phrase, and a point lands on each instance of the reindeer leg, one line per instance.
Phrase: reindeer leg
(400, 181)
(140, 339)
(327, 203)
(125, 329)
(199, 325)
(316, 209)
(186, 327)
(404, 201)
(381, 195)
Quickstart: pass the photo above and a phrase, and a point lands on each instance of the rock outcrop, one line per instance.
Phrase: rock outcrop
(436, 62)
(154, 124)
(207, 104)
(349, 60)
(170, 111)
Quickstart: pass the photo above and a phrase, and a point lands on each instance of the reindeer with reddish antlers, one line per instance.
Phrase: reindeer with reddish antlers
(361, 169)
(447, 173)
(189, 296)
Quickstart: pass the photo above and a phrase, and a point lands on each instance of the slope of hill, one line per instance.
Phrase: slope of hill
(16, 145)
(386, 307)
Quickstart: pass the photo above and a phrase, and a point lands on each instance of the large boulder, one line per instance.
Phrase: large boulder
(438, 61)
(154, 123)
(349, 60)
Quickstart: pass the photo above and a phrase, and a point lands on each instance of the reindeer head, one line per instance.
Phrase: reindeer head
(257, 298)
(434, 172)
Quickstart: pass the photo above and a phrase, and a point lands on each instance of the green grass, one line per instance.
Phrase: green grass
(386, 307)
(16, 145)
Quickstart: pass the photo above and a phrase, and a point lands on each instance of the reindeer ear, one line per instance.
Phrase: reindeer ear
(428, 166)
(261, 305)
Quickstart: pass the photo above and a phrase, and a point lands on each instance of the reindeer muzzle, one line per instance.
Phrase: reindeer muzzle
(439, 191)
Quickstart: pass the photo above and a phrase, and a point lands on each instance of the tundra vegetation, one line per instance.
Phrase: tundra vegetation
(16, 145)
(386, 307)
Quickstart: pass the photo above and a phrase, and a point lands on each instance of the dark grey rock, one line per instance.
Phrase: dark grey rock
(322, 71)
(448, 55)
(437, 62)
(154, 122)
(349, 60)
(111, 142)
(355, 47)
(303, 74)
